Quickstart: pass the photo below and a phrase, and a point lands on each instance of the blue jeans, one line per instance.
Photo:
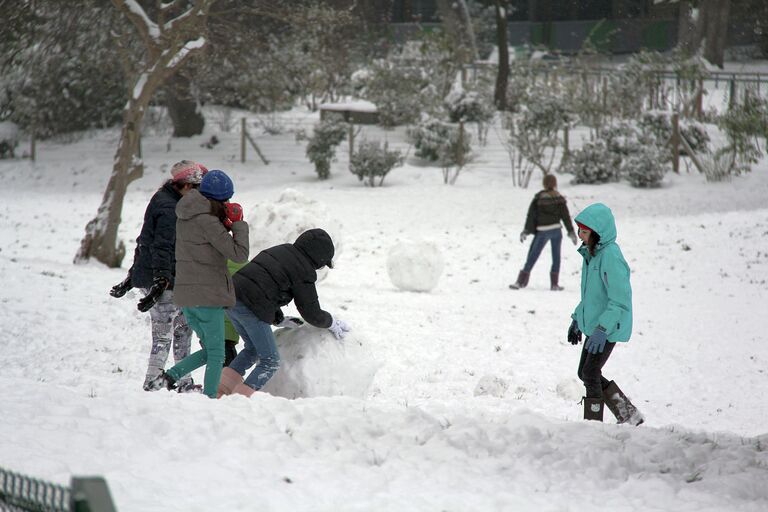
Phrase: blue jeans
(259, 346)
(555, 236)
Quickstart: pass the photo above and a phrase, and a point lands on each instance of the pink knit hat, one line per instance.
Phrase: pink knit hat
(188, 171)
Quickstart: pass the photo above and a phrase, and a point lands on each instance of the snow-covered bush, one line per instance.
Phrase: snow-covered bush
(415, 265)
(321, 146)
(534, 133)
(471, 107)
(371, 161)
(398, 91)
(622, 150)
(659, 123)
(593, 163)
(438, 141)
(446, 144)
(645, 168)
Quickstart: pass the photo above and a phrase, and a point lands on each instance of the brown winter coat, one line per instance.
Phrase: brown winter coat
(203, 246)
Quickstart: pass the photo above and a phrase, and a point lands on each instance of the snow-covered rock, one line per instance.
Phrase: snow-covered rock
(314, 363)
(415, 265)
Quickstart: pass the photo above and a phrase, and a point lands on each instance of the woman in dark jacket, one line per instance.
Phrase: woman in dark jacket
(271, 280)
(547, 209)
(154, 269)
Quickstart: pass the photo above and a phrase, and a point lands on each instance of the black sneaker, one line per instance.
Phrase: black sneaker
(189, 387)
(162, 381)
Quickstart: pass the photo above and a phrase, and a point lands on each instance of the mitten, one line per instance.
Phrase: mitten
(234, 214)
(159, 284)
(339, 328)
(291, 322)
(573, 238)
(523, 234)
(596, 343)
(121, 289)
(574, 334)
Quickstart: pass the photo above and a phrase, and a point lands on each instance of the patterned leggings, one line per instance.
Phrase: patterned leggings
(168, 327)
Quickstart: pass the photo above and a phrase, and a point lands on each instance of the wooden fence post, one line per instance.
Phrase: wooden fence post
(566, 143)
(732, 93)
(700, 100)
(33, 145)
(242, 140)
(675, 143)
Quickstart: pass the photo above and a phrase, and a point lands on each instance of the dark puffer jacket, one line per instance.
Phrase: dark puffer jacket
(156, 245)
(548, 207)
(283, 273)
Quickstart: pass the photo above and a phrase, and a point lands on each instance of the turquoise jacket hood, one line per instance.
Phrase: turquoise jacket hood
(606, 293)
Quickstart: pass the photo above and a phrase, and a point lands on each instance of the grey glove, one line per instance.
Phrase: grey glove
(523, 235)
(339, 328)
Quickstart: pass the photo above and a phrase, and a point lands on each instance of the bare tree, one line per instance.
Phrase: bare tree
(169, 42)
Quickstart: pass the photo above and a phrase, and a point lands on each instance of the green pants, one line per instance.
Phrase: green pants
(208, 324)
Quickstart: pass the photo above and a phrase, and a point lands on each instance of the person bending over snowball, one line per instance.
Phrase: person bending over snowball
(271, 280)
(203, 284)
(605, 311)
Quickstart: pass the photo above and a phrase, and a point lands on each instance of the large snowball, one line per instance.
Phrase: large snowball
(284, 220)
(314, 363)
(415, 265)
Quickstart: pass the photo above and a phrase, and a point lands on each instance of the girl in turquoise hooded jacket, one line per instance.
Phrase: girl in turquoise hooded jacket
(604, 312)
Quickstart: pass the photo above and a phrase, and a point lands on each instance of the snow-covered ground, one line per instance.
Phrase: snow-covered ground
(474, 406)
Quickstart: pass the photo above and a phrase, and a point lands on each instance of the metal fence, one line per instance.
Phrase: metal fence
(20, 493)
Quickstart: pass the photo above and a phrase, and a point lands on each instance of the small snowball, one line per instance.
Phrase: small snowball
(415, 265)
(491, 385)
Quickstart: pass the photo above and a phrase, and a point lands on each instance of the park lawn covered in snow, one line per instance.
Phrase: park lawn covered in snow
(474, 400)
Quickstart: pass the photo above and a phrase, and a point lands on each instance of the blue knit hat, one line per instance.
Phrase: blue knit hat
(217, 185)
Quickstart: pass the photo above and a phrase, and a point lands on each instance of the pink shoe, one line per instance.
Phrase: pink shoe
(229, 380)
(243, 389)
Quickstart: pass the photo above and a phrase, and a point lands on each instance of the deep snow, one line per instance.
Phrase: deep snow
(475, 402)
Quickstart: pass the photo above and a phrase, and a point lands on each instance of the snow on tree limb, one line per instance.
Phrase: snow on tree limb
(185, 50)
(149, 29)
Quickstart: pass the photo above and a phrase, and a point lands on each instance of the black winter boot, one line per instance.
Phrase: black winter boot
(553, 278)
(593, 408)
(162, 381)
(620, 405)
(522, 280)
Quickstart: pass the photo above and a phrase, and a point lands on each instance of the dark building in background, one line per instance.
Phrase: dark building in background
(611, 26)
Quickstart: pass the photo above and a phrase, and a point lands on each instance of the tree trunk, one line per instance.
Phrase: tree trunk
(182, 107)
(164, 56)
(100, 239)
(716, 31)
(686, 29)
(502, 76)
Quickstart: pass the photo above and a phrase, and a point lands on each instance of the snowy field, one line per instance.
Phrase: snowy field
(474, 404)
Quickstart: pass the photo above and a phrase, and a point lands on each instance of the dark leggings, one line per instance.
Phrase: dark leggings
(590, 366)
